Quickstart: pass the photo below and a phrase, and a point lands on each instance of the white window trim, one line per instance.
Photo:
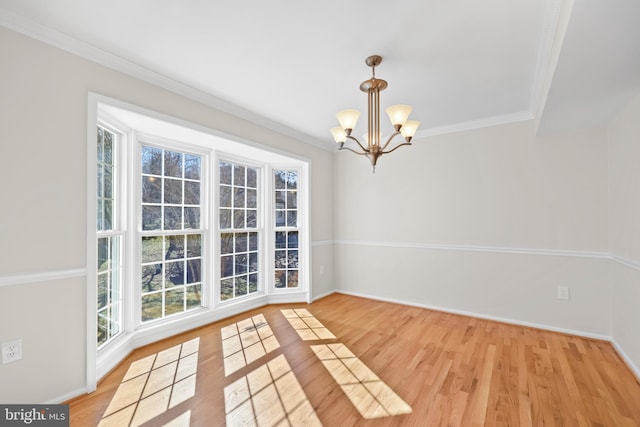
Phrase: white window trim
(136, 334)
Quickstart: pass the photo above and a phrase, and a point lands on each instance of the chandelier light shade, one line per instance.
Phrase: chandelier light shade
(398, 115)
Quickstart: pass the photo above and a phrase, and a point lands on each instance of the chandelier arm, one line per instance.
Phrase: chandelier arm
(357, 142)
(389, 140)
(354, 151)
(396, 147)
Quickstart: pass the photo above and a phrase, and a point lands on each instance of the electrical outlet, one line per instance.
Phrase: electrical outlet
(11, 351)
(563, 292)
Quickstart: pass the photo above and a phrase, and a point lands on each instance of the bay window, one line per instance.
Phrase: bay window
(190, 227)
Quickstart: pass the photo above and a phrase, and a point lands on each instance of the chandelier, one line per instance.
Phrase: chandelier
(398, 114)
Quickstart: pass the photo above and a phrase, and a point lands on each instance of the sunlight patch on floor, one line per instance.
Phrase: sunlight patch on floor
(270, 395)
(368, 393)
(153, 385)
(306, 325)
(245, 342)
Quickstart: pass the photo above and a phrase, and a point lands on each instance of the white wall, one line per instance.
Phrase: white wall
(624, 230)
(43, 123)
(489, 221)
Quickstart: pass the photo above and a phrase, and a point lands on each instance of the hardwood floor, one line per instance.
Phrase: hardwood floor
(389, 365)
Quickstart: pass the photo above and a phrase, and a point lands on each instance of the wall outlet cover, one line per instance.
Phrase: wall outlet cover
(11, 351)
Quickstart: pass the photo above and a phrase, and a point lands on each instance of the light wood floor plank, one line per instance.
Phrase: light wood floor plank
(451, 370)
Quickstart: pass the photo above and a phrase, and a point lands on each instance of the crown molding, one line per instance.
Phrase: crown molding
(89, 52)
(519, 116)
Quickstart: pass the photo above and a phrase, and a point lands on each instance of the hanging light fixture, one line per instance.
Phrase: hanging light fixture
(398, 114)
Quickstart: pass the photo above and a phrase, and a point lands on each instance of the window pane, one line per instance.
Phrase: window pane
(238, 198)
(226, 289)
(280, 218)
(152, 249)
(252, 178)
(238, 218)
(191, 193)
(292, 239)
(252, 198)
(252, 219)
(107, 205)
(173, 191)
(292, 218)
(191, 218)
(194, 299)
(174, 274)
(191, 167)
(226, 243)
(173, 164)
(152, 306)
(280, 177)
(241, 285)
(172, 218)
(253, 241)
(151, 217)
(174, 302)
(225, 173)
(225, 218)
(280, 278)
(241, 242)
(281, 239)
(194, 245)
(292, 199)
(225, 196)
(292, 259)
(253, 262)
(226, 266)
(108, 147)
(103, 290)
(292, 278)
(193, 271)
(240, 264)
(151, 277)
(151, 160)
(239, 175)
(281, 199)
(104, 259)
(174, 247)
(292, 180)
(253, 283)
(151, 190)
(108, 182)
(99, 214)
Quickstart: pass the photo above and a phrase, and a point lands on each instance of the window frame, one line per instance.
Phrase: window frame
(141, 139)
(132, 123)
(301, 228)
(260, 228)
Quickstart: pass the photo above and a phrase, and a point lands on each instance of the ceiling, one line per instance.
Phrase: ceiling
(291, 65)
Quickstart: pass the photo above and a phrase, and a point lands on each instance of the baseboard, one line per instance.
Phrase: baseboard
(326, 294)
(65, 398)
(483, 316)
(626, 359)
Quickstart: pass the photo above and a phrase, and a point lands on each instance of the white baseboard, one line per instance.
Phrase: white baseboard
(67, 396)
(326, 294)
(482, 316)
(626, 359)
